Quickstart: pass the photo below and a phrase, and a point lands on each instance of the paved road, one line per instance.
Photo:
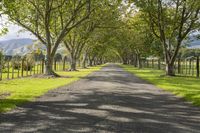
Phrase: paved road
(108, 101)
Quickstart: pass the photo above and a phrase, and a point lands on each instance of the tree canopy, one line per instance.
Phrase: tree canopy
(109, 30)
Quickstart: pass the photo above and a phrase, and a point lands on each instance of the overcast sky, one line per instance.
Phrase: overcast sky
(15, 34)
(13, 31)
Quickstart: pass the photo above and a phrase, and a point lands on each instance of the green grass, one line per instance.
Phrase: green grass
(186, 87)
(35, 70)
(27, 89)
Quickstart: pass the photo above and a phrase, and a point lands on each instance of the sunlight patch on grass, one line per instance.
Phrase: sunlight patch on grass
(27, 89)
(186, 87)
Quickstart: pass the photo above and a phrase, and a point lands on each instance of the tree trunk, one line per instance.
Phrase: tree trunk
(139, 63)
(64, 62)
(124, 60)
(83, 64)
(132, 59)
(135, 61)
(95, 62)
(73, 64)
(49, 65)
(90, 61)
(170, 71)
(84, 61)
(100, 61)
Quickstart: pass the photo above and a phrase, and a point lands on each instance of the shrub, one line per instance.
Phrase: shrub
(16, 62)
(29, 62)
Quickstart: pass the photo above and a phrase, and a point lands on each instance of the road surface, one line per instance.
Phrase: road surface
(108, 101)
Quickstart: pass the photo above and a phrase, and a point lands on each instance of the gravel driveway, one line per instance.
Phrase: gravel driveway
(108, 101)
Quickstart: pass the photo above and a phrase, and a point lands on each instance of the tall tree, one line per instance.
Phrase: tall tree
(75, 42)
(49, 20)
(104, 15)
(171, 21)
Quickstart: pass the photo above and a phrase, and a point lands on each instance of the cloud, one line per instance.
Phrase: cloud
(14, 31)
(15, 34)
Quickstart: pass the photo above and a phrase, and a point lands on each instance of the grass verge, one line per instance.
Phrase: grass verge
(186, 87)
(22, 90)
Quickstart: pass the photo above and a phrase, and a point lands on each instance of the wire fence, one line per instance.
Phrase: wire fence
(16, 69)
(183, 67)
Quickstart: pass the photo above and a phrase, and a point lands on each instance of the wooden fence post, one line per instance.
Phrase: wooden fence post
(179, 65)
(26, 68)
(34, 69)
(1, 68)
(12, 71)
(22, 67)
(55, 65)
(31, 69)
(42, 65)
(197, 66)
(190, 66)
(37, 67)
(64, 64)
(193, 67)
(8, 73)
(18, 68)
(186, 64)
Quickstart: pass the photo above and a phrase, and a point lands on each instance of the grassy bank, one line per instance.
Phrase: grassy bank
(186, 87)
(17, 91)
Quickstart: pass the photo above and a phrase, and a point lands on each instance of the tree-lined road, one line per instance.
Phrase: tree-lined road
(108, 101)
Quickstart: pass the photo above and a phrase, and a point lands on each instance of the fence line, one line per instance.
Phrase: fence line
(183, 67)
(23, 68)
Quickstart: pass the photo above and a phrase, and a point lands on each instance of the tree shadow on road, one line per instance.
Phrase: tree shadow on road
(104, 112)
(128, 106)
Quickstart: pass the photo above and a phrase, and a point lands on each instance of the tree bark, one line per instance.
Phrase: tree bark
(135, 61)
(83, 63)
(49, 66)
(124, 60)
(64, 62)
(170, 71)
(73, 64)
(139, 62)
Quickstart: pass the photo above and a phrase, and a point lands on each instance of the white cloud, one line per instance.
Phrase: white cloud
(13, 31)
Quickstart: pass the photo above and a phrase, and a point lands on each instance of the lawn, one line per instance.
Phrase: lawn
(37, 69)
(186, 87)
(18, 91)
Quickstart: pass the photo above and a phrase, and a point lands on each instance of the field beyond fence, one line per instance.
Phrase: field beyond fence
(183, 67)
(25, 68)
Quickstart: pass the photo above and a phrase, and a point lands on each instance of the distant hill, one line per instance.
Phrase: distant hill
(16, 46)
(23, 46)
(194, 42)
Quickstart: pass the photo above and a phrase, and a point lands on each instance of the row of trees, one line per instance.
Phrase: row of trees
(107, 30)
(170, 22)
(59, 22)
(155, 28)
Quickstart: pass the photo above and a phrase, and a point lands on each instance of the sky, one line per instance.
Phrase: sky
(13, 31)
